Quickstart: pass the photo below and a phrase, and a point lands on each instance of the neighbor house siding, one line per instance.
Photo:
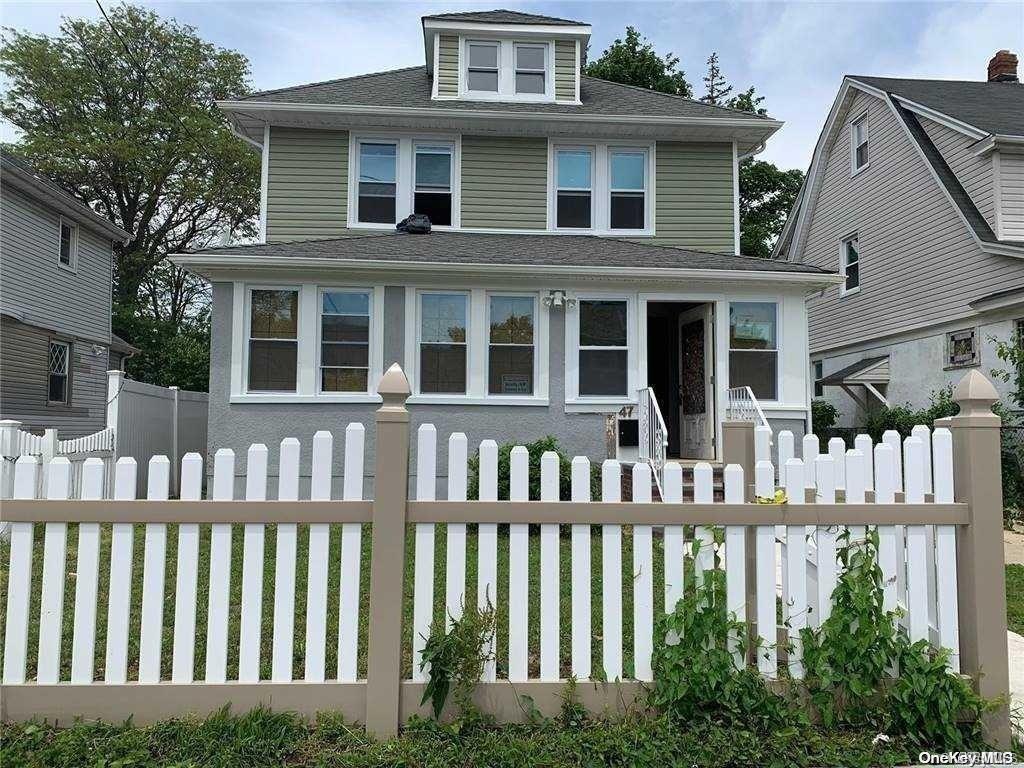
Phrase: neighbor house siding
(1011, 193)
(504, 182)
(973, 172)
(447, 65)
(39, 292)
(307, 187)
(565, 70)
(694, 196)
(919, 266)
(24, 359)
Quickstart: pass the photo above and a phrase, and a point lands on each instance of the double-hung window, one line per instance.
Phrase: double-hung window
(67, 250)
(859, 142)
(378, 182)
(482, 69)
(531, 68)
(273, 339)
(627, 183)
(603, 348)
(443, 343)
(753, 347)
(850, 265)
(510, 351)
(574, 191)
(432, 194)
(344, 341)
(819, 374)
(59, 359)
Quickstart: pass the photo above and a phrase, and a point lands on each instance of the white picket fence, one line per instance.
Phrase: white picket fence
(15, 442)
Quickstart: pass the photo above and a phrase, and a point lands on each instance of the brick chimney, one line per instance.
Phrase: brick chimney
(1002, 68)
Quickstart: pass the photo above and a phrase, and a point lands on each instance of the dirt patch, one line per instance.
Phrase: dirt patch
(1013, 547)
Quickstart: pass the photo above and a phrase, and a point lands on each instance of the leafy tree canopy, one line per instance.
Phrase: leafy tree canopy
(634, 61)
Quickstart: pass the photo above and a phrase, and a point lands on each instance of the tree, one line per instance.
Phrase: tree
(767, 194)
(633, 61)
(716, 86)
(120, 111)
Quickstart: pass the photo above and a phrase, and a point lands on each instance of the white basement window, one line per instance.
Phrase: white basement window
(859, 143)
(59, 358)
(345, 319)
(849, 265)
(273, 339)
(443, 326)
(753, 347)
(603, 348)
(511, 357)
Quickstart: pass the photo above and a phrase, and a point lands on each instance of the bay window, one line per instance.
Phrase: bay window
(378, 182)
(273, 339)
(603, 348)
(510, 352)
(432, 194)
(574, 186)
(344, 341)
(753, 347)
(443, 343)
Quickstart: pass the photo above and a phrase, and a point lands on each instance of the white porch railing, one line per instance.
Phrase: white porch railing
(653, 443)
(741, 405)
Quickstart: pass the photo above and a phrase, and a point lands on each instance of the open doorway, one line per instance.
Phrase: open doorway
(680, 361)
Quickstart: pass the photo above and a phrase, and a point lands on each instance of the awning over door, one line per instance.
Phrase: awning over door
(870, 375)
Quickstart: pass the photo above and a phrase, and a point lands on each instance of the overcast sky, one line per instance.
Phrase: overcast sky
(794, 53)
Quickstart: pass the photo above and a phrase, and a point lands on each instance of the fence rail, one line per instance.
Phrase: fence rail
(935, 549)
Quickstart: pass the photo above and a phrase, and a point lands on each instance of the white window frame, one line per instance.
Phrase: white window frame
(600, 208)
(593, 192)
(777, 301)
(368, 291)
(573, 399)
(951, 338)
(516, 69)
(487, 348)
(859, 123)
(506, 69)
(450, 146)
(616, 149)
(843, 290)
(72, 265)
(67, 372)
(249, 338)
(420, 342)
(405, 191)
(496, 44)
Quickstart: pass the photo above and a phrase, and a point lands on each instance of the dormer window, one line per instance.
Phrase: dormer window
(530, 68)
(482, 70)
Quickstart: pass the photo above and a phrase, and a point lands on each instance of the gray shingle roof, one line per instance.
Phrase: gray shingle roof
(467, 248)
(502, 16)
(993, 107)
(837, 377)
(411, 87)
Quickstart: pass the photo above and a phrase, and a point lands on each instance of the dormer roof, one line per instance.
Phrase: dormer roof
(501, 16)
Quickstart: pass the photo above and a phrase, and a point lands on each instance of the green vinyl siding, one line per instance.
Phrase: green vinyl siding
(504, 182)
(307, 189)
(565, 70)
(447, 65)
(694, 196)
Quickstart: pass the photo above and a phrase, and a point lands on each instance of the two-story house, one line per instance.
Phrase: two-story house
(916, 195)
(583, 258)
(55, 295)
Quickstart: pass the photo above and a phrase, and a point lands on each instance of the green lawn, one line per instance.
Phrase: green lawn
(1015, 598)
(332, 577)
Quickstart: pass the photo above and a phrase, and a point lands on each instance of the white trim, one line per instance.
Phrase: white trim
(72, 265)
(736, 197)
(997, 194)
(520, 30)
(264, 181)
(578, 75)
(939, 117)
(435, 73)
(572, 352)
(843, 245)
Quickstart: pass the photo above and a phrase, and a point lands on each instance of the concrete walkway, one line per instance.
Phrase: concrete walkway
(1015, 646)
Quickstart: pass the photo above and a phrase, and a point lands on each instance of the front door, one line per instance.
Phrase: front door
(696, 404)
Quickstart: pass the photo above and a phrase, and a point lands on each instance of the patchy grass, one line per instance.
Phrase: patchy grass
(261, 739)
(1015, 598)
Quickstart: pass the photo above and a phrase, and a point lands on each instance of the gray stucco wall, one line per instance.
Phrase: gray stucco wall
(238, 425)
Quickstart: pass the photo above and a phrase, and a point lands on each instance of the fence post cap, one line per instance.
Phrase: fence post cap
(975, 395)
(394, 386)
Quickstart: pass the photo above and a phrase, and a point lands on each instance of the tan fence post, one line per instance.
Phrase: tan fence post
(979, 548)
(738, 448)
(387, 563)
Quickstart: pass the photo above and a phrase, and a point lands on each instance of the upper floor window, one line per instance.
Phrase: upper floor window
(59, 359)
(344, 341)
(482, 66)
(443, 343)
(849, 265)
(378, 182)
(602, 187)
(531, 69)
(273, 339)
(753, 347)
(68, 249)
(574, 186)
(433, 183)
(859, 142)
(628, 189)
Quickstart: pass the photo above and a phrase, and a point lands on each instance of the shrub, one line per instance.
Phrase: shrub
(903, 418)
(535, 449)
(824, 416)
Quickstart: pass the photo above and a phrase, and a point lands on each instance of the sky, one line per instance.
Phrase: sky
(795, 53)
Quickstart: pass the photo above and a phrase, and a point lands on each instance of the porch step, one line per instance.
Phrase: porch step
(718, 483)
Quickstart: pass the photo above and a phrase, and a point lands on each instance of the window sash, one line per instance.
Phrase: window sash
(372, 189)
(67, 246)
(860, 142)
(440, 345)
(496, 69)
(263, 344)
(58, 369)
(519, 69)
(493, 346)
(332, 371)
(851, 264)
(596, 389)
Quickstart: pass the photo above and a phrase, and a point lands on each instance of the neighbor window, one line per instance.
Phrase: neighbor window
(859, 142)
(603, 348)
(68, 244)
(819, 373)
(273, 339)
(962, 348)
(530, 68)
(443, 358)
(574, 187)
(510, 352)
(628, 170)
(59, 365)
(1018, 332)
(378, 163)
(753, 348)
(850, 265)
(482, 72)
(433, 182)
(344, 341)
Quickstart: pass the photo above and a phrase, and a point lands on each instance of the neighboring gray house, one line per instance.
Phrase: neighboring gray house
(55, 294)
(583, 261)
(916, 194)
